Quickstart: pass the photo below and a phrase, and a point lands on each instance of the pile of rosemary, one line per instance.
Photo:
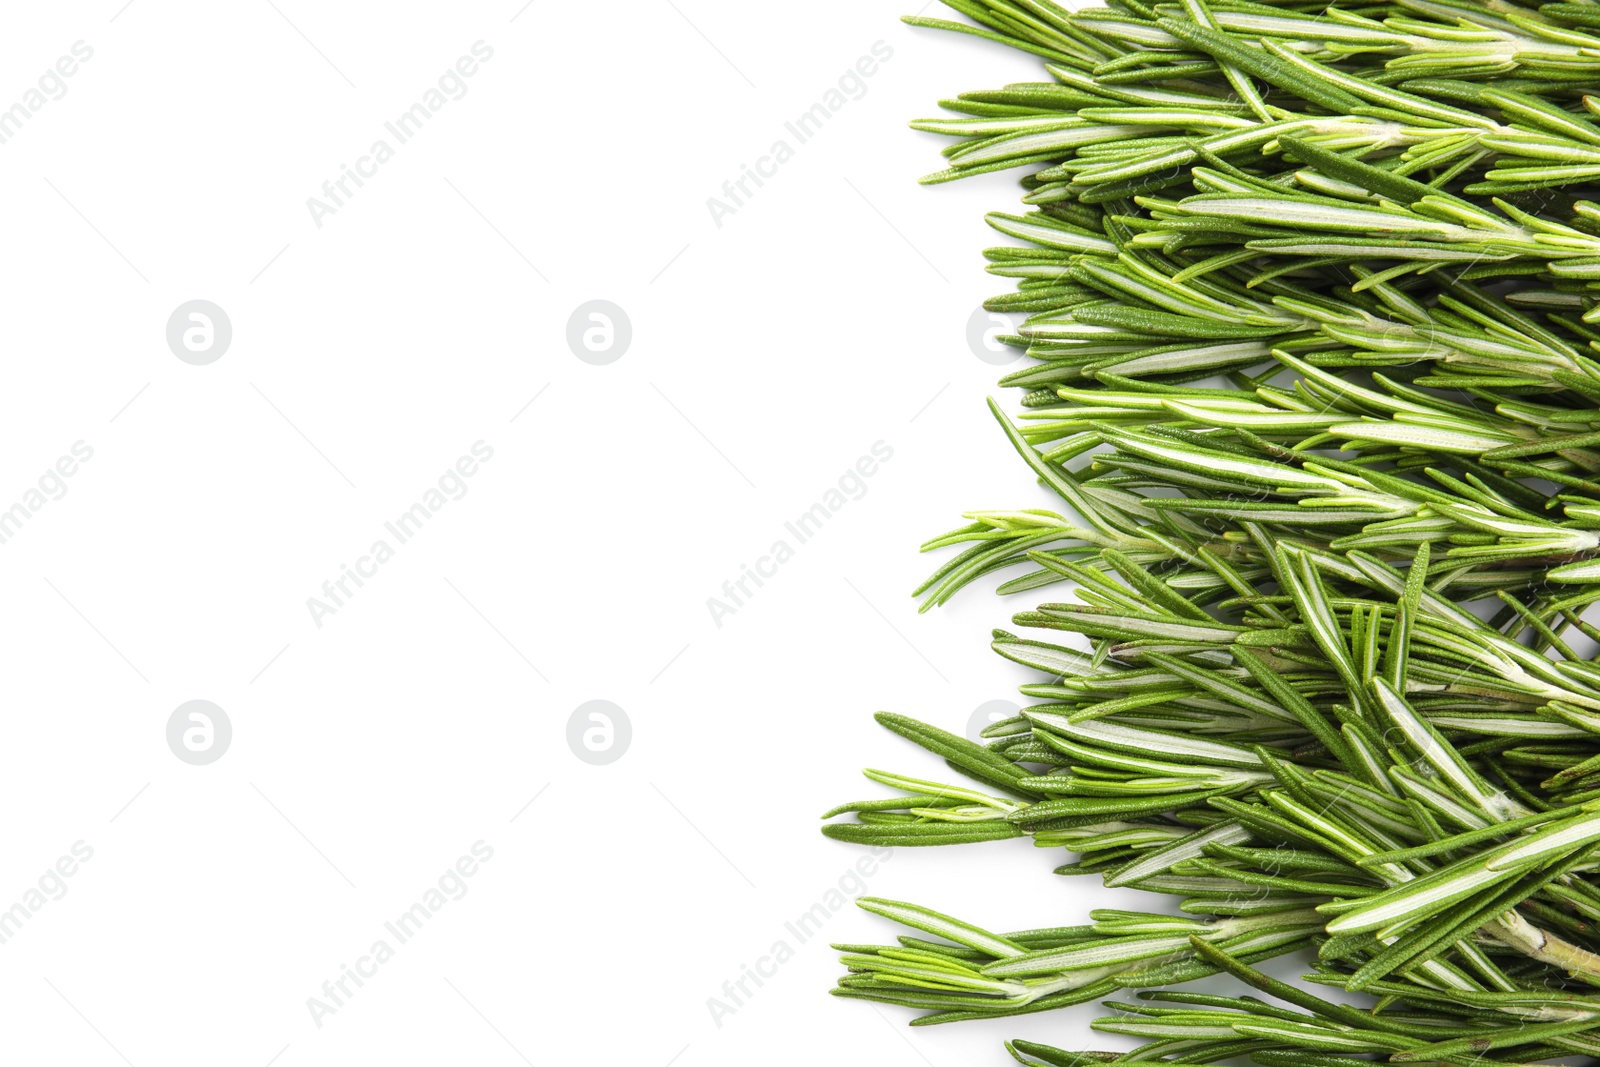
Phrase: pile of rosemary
(1312, 300)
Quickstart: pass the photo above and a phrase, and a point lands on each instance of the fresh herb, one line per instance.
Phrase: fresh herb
(1295, 714)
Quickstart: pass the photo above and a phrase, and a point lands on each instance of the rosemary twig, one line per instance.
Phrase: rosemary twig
(1312, 301)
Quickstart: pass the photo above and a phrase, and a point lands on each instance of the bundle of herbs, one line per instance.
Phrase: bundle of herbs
(1312, 300)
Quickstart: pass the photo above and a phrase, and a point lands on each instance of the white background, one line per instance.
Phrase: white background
(768, 354)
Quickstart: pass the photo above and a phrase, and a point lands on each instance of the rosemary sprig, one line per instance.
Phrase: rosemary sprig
(1329, 689)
